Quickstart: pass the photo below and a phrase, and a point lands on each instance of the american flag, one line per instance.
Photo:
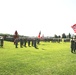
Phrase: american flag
(74, 27)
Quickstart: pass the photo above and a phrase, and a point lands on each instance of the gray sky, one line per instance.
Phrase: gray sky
(29, 17)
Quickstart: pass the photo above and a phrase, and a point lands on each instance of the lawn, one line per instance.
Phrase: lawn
(49, 59)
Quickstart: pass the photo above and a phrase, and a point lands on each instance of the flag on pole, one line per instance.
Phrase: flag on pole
(74, 27)
(16, 34)
(39, 34)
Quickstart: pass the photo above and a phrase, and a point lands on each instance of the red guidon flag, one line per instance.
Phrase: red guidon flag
(74, 27)
(39, 34)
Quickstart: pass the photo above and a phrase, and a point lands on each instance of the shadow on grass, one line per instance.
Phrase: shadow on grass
(43, 49)
(43, 44)
(74, 52)
(2, 48)
(36, 47)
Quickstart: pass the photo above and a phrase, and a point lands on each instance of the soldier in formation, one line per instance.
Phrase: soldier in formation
(24, 41)
(16, 43)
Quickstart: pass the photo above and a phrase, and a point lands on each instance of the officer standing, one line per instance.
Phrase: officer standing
(1, 41)
(72, 45)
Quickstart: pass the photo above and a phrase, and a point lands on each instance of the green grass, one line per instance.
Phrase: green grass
(49, 59)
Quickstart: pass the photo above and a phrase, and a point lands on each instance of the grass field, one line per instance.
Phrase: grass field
(49, 59)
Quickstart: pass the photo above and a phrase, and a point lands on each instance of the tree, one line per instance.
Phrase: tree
(63, 35)
(55, 36)
(69, 35)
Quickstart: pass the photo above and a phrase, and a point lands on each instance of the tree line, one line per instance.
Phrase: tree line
(63, 36)
(55, 36)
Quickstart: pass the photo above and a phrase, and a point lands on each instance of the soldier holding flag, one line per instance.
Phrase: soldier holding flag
(73, 41)
(39, 34)
(16, 38)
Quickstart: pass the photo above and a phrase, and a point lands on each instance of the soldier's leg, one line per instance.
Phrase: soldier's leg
(29, 43)
(32, 43)
(72, 50)
(16, 45)
(35, 44)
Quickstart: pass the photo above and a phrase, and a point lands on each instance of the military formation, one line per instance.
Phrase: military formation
(23, 42)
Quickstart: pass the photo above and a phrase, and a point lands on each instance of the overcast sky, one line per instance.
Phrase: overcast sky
(29, 17)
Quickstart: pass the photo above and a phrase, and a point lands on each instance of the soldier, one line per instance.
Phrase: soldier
(38, 41)
(32, 42)
(29, 42)
(2, 41)
(16, 42)
(25, 41)
(72, 45)
(35, 43)
(21, 42)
